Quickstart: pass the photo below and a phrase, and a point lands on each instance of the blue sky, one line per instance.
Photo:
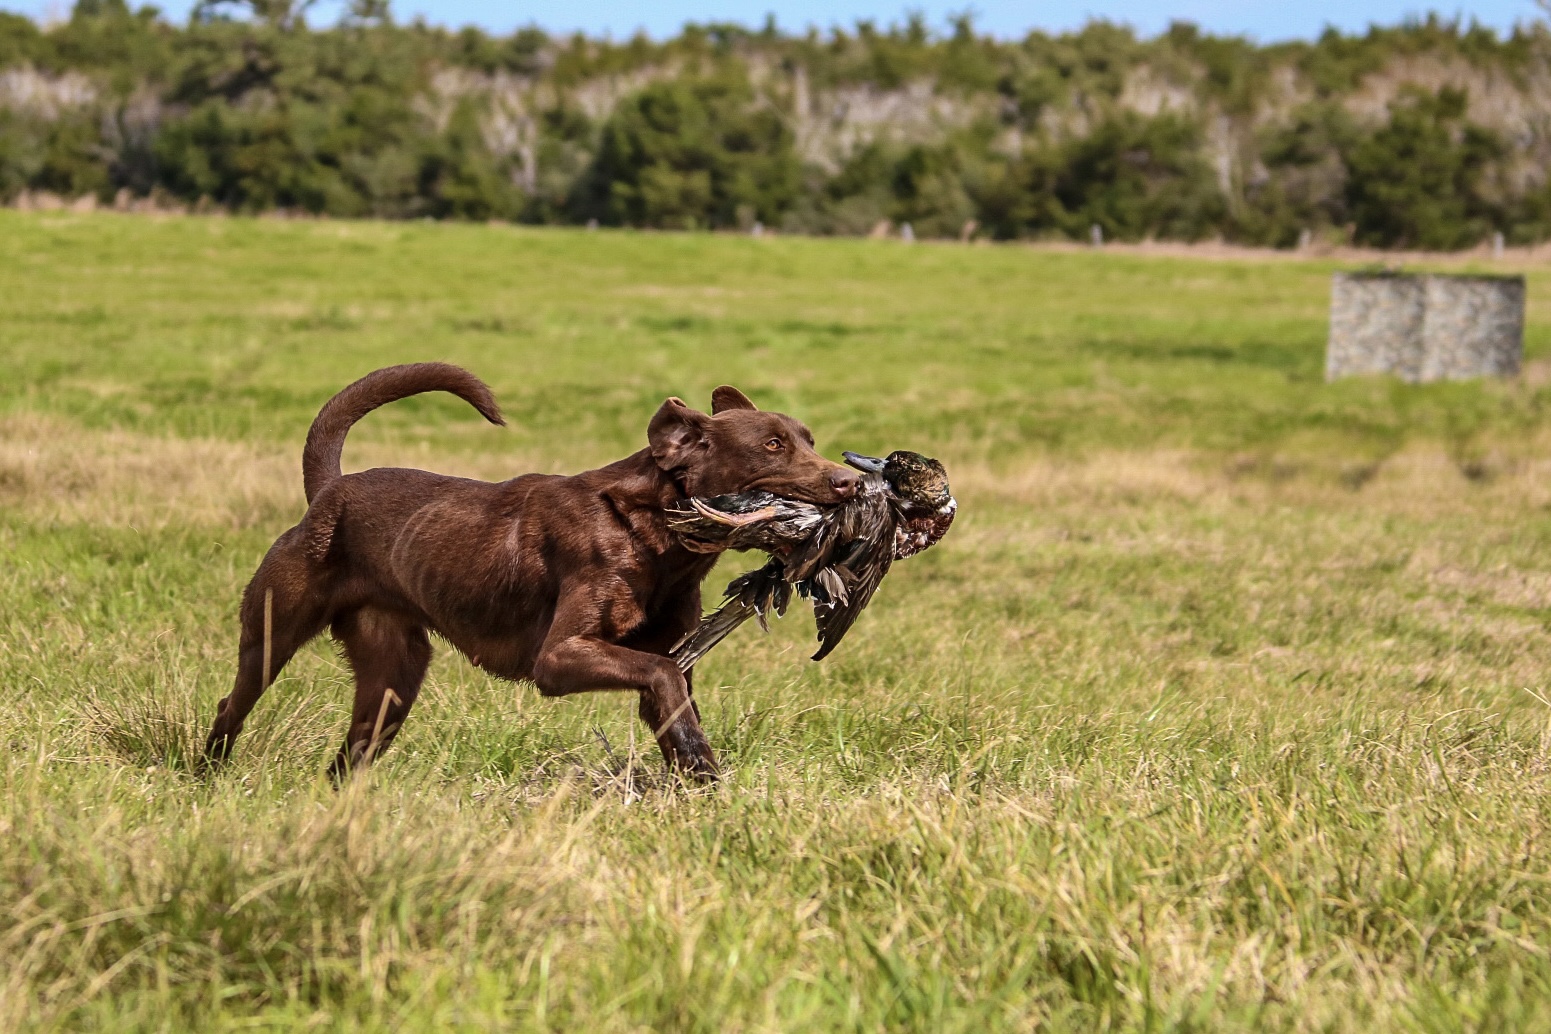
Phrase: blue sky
(620, 18)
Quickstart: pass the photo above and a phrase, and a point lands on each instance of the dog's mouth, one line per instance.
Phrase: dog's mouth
(801, 493)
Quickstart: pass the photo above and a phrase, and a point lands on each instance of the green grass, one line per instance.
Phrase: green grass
(1224, 706)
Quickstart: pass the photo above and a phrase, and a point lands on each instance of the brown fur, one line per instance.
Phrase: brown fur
(574, 583)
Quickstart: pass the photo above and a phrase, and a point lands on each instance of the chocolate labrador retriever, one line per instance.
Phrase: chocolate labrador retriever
(572, 582)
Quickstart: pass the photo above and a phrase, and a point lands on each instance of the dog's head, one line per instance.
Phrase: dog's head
(738, 448)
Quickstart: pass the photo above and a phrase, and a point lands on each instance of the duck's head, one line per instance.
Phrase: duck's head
(920, 482)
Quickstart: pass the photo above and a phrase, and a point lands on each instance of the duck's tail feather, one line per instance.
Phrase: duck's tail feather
(713, 628)
(752, 595)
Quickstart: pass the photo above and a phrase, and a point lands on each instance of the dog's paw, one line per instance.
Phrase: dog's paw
(691, 756)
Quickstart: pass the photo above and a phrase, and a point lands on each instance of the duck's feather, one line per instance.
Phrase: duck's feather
(837, 556)
(749, 520)
(752, 595)
(860, 574)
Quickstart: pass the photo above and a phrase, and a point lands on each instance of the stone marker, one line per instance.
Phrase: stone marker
(1474, 327)
(1425, 327)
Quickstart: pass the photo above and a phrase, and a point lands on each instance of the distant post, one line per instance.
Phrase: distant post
(1425, 327)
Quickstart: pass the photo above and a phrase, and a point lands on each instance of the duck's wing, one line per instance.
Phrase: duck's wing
(710, 525)
(752, 595)
(839, 529)
(860, 574)
(752, 520)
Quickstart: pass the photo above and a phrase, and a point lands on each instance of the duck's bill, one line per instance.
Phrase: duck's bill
(869, 464)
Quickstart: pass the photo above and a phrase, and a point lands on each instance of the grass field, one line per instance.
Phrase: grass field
(1224, 706)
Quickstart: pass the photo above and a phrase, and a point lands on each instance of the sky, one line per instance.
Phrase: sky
(1261, 20)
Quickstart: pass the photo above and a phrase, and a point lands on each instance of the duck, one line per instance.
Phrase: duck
(836, 556)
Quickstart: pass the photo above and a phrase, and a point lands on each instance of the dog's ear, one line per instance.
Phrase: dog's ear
(727, 397)
(677, 433)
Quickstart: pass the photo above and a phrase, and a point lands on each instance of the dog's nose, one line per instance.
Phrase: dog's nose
(843, 481)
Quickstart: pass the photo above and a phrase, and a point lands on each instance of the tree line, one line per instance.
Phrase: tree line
(1431, 134)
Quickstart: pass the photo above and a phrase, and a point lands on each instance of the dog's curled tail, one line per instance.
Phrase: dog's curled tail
(326, 439)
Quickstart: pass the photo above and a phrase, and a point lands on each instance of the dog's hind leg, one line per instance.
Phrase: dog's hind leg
(282, 608)
(389, 655)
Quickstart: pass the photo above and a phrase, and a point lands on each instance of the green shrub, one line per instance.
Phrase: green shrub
(1134, 177)
(1414, 182)
(21, 155)
(1304, 187)
(691, 153)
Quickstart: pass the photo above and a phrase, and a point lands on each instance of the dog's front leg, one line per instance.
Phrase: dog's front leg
(572, 662)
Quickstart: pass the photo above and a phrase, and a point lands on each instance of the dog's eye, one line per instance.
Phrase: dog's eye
(775, 445)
